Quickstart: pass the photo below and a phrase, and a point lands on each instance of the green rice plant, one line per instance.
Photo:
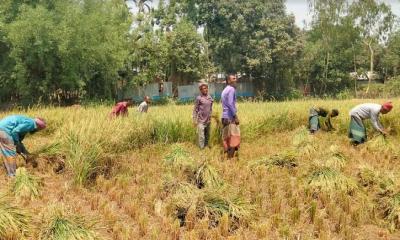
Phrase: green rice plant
(179, 157)
(14, 223)
(57, 224)
(329, 180)
(82, 158)
(286, 159)
(49, 149)
(25, 185)
(207, 176)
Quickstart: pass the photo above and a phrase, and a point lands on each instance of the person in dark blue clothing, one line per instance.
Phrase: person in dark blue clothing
(13, 130)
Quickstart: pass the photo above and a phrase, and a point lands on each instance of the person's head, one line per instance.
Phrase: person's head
(203, 87)
(40, 123)
(386, 107)
(146, 99)
(334, 113)
(231, 80)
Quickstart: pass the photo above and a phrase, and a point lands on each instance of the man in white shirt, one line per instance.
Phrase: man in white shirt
(357, 131)
(144, 106)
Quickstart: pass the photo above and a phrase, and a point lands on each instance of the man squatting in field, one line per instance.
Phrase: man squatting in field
(314, 121)
(230, 121)
(144, 106)
(12, 132)
(202, 115)
(121, 109)
(357, 130)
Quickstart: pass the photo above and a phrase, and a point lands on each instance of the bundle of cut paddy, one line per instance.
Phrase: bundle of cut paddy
(336, 159)
(285, 160)
(25, 185)
(13, 221)
(392, 212)
(58, 225)
(329, 180)
(207, 176)
(367, 177)
(179, 157)
(303, 141)
(190, 203)
(380, 144)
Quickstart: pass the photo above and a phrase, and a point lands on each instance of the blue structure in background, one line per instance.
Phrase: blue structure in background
(189, 92)
(186, 93)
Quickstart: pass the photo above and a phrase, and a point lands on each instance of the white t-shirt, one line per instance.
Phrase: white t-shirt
(143, 107)
(368, 111)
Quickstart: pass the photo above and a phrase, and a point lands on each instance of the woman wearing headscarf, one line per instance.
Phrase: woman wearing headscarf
(13, 130)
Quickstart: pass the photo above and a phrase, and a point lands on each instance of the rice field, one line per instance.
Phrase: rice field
(142, 177)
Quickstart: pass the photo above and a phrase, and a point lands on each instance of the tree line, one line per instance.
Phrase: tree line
(64, 50)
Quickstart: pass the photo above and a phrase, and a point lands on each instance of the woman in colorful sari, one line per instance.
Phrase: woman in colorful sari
(314, 119)
(12, 132)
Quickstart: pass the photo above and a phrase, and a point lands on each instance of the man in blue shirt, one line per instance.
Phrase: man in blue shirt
(12, 132)
(230, 121)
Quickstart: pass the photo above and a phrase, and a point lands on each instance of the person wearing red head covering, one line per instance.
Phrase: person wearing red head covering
(357, 130)
(121, 109)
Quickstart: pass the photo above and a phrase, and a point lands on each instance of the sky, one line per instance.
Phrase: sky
(302, 14)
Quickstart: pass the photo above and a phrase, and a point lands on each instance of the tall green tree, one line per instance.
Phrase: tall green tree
(375, 20)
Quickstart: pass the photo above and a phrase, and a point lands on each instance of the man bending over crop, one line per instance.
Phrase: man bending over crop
(121, 109)
(357, 130)
(202, 115)
(315, 113)
(144, 106)
(12, 132)
(230, 121)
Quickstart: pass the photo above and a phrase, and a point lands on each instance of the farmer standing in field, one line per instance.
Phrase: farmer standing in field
(314, 121)
(202, 115)
(230, 121)
(144, 106)
(12, 132)
(121, 109)
(357, 131)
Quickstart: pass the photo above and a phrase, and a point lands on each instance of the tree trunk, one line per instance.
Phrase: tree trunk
(371, 51)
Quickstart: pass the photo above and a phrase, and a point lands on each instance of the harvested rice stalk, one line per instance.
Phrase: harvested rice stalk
(25, 185)
(336, 159)
(209, 203)
(179, 157)
(392, 212)
(58, 225)
(329, 180)
(13, 221)
(283, 160)
(207, 176)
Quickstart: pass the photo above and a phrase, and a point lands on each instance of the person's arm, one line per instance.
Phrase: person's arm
(328, 123)
(376, 123)
(196, 110)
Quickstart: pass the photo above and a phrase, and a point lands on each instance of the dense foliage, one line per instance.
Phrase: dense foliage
(64, 50)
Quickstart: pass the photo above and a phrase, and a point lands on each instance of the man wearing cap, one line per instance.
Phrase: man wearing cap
(357, 130)
(202, 115)
(12, 132)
